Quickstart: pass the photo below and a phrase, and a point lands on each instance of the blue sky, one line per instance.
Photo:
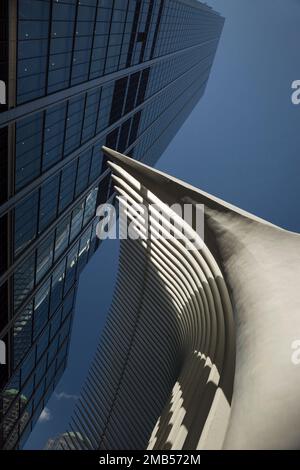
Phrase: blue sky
(241, 143)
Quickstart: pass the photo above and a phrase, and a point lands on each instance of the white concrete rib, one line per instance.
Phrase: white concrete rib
(156, 380)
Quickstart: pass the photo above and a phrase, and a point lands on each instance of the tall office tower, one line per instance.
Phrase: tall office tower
(64, 442)
(76, 75)
(196, 352)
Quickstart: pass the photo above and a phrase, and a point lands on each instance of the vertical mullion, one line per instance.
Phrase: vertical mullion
(65, 273)
(148, 22)
(134, 31)
(108, 37)
(60, 173)
(65, 129)
(40, 189)
(12, 56)
(17, 48)
(43, 141)
(48, 46)
(73, 42)
(78, 157)
(73, 196)
(124, 29)
(90, 165)
(98, 110)
(93, 39)
(58, 195)
(84, 208)
(81, 227)
(12, 38)
(38, 212)
(155, 37)
(53, 247)
(83, 118)
(49, 303)
(77, 261)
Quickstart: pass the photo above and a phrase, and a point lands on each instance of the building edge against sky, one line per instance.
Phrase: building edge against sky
(196, 349)
(78, 74)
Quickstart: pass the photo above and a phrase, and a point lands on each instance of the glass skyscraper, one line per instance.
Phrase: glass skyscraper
(76, 75)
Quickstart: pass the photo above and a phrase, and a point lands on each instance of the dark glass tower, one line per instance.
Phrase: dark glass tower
(77, 75)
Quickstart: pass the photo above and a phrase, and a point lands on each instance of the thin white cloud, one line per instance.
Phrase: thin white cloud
(45, 415)
(65, 396)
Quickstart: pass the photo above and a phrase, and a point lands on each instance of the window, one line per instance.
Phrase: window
(63, 17)
(38, 401)
(22, 334)
(124, 135)
(23, 280)
(84, 163)
(41, 368)
(83, 41)
(132, 91)
(29, 135)
(57, 286)
(74, 123)
(55, 324)
(90, 115)
(25, 431)
(41, 307)
(27, 367)
(59, 372)
(105, 107)
(62, 355)
(84, 250)
(51, 365)
(48, 202)
(118, 99)
(134, 128)
(42, 345)
(71, 269)
(68, 304)
(27, 391)
(68, 178)
(33, 30)
(62, 237)
(90, 206)
(44, 258)
(26, 222)
(76, 221)
(54, 135)
(64, 333)
(101, 39)
(96, 165)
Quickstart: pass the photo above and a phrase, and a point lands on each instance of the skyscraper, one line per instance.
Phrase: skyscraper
(76, 75)
(64, 442)
(196, 352)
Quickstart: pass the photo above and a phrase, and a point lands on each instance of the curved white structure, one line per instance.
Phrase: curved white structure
(164, 373)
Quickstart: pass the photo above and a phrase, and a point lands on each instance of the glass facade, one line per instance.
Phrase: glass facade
(80, 74)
